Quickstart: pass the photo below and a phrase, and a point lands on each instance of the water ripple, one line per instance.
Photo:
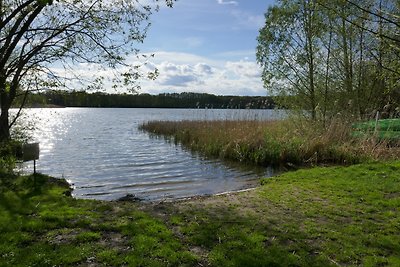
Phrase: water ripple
(105, 156)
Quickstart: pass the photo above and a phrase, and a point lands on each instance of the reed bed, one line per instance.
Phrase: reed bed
(284, 142)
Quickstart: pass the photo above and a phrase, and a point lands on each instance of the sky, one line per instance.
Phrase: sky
(206, 46)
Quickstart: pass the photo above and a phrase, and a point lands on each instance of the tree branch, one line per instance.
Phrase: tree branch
(373, 13)
(4, 22)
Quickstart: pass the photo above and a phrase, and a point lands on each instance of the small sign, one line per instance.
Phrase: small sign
(30, 152)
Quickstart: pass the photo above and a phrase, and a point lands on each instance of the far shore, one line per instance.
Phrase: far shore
(42, 106)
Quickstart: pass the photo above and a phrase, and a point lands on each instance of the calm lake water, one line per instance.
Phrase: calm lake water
(104, 156)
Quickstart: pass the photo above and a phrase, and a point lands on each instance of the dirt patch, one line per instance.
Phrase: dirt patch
(61, 236)
(114, 240)
(392, 195)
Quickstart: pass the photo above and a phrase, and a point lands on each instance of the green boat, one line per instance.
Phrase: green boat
(386, 129)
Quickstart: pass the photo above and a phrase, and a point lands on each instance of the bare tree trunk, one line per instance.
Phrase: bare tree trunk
(346, 58)
(381, 50)
(328, 57)
(309, 9)
(4, 120)
(360, 77)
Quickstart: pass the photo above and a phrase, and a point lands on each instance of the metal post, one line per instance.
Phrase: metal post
(376, 122)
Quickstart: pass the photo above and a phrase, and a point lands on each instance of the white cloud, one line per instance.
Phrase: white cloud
(184, 72)
(224, 2)
(179, 80)
(168, 67)
(244, 68)
(180, 72)
(173, 74)
(203, 69)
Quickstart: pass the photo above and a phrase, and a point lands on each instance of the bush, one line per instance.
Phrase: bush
(9, 151)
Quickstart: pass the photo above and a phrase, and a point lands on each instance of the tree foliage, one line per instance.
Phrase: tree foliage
(166, 100)
(43, 41)
(333, 56)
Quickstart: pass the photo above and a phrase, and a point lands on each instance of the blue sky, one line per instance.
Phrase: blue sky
(206, 46)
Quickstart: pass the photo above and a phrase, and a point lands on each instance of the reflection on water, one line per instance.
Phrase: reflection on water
(104, 155)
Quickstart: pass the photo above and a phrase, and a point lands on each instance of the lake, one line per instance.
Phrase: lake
(104, 156)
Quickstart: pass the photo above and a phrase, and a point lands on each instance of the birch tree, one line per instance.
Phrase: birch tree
(37, 36)
(333, 57)
(288, 48)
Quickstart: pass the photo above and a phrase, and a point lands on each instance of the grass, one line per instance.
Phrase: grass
(336, 216)
(290, 142)
(348, 216)
(40, 226)
(325, 216)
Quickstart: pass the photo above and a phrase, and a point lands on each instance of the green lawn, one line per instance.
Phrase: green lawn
(347, 216)
(325, 216)
(40, 226)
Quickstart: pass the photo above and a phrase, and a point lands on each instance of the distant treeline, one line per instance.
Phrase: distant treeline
(165, 100)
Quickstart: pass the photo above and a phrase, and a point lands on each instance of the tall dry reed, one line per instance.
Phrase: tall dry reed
(288, 142)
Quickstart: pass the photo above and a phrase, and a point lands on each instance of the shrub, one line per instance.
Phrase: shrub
(8, 154)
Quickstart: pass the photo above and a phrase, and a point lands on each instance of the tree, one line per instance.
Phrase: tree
(366, 44)
(43, 41)
(332, 57)
(288, 52)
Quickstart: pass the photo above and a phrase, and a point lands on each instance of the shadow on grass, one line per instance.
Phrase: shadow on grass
(40, 226)
(15, 198)
(225, 236)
